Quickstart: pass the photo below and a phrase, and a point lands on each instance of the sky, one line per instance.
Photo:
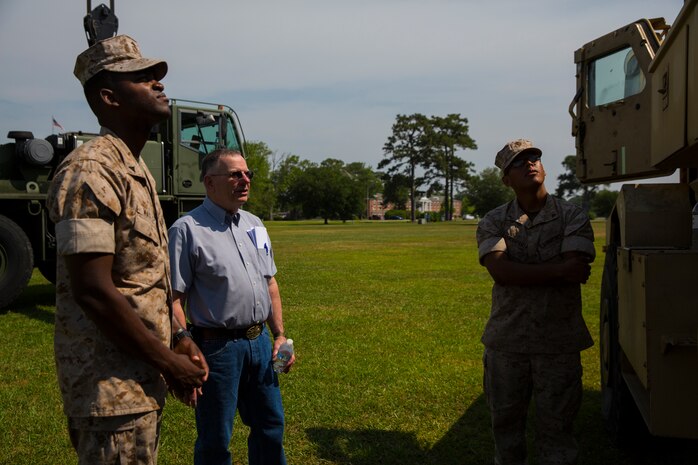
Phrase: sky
(326, 78)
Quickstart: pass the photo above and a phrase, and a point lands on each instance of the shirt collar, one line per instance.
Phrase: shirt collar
(132, 162)
(219, 213)
(547, 213)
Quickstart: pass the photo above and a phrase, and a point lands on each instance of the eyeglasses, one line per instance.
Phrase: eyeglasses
(521, 160)
(237, 175)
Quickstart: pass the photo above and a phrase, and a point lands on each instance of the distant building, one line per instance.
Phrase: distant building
(376, 208)
(433, 205)
(425, 204)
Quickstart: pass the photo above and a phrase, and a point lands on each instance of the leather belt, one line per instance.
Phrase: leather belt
(251, 332)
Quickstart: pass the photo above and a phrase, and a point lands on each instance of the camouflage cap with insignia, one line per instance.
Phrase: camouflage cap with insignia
(513, 149)
(119, 54)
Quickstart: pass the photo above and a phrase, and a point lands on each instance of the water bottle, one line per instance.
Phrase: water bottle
(694, 243)
(283, 355)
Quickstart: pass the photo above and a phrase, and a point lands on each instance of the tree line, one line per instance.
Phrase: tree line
(292, 188)
(420, 157)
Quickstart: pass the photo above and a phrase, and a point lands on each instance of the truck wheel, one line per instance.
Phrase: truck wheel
(621, 416)
(16, 261)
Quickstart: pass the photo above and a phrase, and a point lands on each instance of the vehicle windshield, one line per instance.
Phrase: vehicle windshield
(205, 132)
(615, 77)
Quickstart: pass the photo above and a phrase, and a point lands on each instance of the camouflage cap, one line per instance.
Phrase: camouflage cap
(513, 149)
(119, 54)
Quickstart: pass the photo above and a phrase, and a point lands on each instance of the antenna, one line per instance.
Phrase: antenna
(100, 23)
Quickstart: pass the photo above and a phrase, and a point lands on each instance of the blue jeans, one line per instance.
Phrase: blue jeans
(241, 377)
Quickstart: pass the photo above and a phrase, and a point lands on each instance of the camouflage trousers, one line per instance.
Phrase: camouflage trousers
(121, 440)
(554, 381)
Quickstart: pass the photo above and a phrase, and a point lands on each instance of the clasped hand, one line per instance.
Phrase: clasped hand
(186, 384)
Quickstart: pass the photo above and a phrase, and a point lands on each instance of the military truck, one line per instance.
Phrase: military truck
(27, 165)
(635, 116)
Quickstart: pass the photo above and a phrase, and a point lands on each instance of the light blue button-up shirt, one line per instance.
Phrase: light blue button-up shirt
(217, 264)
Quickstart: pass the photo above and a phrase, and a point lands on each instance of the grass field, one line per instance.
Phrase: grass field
(386, 319)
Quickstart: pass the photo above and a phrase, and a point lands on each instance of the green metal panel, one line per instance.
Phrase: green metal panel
(153, 155)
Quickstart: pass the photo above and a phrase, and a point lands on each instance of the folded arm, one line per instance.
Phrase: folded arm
(574, 268)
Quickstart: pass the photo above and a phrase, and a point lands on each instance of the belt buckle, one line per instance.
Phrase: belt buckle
(253, 332)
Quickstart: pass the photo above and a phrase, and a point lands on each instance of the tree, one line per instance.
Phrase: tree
(396, 190)
(368, 181)
(569, 186)
(275, 162)
(486, 191)
(262, 199)
(287, 174)
(327, 191)
(603, 202)
(405, 150)
(445, 135)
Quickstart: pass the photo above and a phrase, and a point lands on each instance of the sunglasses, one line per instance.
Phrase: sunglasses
(237, 175)
(523, 159)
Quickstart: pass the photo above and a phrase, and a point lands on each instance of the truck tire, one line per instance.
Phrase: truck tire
(621, 416)
(16, 261)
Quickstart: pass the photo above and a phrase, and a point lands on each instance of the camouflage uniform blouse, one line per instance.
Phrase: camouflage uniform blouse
(536, 319)
(103, 200)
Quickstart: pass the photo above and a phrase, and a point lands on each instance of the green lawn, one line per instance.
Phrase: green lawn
(386, 319)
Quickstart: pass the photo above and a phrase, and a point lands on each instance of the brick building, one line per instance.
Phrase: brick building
(432, 204)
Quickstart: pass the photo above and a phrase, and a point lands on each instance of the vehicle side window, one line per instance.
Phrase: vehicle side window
(198, 132)
(615, 77)
(232, 142)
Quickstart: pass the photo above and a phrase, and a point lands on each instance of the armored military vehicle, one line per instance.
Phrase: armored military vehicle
(173, 155)
(635, 116)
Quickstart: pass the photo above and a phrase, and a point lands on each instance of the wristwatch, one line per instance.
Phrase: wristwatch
(179, 335)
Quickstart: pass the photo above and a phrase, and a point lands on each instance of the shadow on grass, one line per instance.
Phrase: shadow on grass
(30, 302)
(469, 441)
(367, 447)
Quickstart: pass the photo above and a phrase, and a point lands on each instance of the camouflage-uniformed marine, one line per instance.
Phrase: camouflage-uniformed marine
(535, 332)
(536, 319)
(103, 201)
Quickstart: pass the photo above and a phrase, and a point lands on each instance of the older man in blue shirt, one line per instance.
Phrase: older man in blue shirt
(223, 268)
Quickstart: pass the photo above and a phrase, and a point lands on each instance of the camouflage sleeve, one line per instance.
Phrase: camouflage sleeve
(84, 205)
(489, 236)
(579, 236)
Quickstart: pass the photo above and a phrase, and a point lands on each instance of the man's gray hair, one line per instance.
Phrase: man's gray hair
(211, 160)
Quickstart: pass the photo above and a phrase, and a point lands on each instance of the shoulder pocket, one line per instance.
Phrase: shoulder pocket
(104, 193)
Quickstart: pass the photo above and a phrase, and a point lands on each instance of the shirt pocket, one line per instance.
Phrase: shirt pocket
(264, 258)
(515, 238)
(145, 226)
(550, 246)
(517, 248)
